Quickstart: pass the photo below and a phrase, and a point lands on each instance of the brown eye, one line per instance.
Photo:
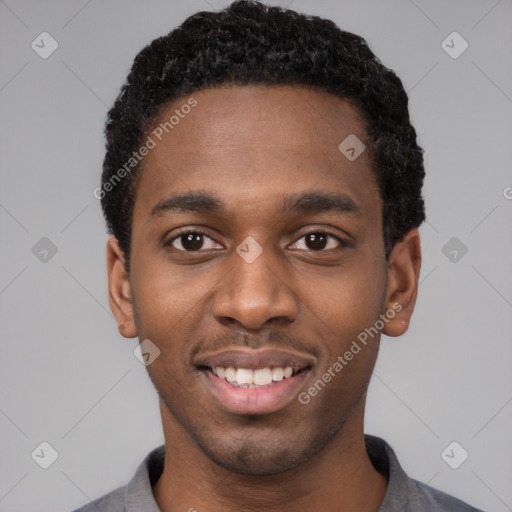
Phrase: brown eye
(319, 241)
(192, 241)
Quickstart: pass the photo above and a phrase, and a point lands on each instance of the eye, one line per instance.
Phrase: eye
(195, 241)
(190, 241)
(319, 241)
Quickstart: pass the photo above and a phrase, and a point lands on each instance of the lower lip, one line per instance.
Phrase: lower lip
(254, 400)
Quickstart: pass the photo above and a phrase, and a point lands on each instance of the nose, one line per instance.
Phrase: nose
(254, 294)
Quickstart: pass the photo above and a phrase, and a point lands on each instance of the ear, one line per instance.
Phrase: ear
(119, 290)
(402, 289)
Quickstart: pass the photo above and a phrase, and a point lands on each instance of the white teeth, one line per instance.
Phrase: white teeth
(277, 374)
(244, 376)
(230, 374)
(247, 378)
(262, 377)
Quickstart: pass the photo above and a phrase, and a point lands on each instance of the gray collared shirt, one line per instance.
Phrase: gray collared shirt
(404, 494)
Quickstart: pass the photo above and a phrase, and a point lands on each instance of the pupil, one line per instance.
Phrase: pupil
(316, 241)
(192, 241)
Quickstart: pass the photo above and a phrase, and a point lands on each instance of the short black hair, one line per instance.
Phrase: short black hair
(252, 43)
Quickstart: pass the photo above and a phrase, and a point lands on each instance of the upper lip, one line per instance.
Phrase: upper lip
(255, 359)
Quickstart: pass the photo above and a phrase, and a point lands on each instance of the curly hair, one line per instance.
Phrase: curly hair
(252, 43)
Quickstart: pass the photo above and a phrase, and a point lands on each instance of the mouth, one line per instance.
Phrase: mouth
(254, 382)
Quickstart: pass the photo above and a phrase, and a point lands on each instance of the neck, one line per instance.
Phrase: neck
(341, 478)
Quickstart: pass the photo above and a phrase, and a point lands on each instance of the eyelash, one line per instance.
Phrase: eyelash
(342, 242)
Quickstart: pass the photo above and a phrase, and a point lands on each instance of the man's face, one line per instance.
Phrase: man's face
(318, 282)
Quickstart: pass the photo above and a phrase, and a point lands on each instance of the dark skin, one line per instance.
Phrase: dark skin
(252, 147)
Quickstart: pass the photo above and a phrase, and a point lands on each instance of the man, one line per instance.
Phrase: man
(262, 186)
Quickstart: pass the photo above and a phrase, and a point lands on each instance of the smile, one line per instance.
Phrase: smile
(254, 382)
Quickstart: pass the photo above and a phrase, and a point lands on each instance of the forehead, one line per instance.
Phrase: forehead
(242, 117)
(254, 142)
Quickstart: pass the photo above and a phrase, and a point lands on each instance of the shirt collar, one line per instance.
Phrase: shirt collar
(138, 494)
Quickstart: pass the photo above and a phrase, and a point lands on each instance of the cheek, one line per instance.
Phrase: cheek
(163, 296)
(344, 311)
(168, 312)
(348, 299)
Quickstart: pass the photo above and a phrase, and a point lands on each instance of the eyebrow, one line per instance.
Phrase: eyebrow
(309, 202)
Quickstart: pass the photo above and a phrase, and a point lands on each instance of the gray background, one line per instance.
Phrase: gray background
(67, 377)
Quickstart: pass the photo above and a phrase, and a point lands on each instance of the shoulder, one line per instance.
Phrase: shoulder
(137, 493)
(111, 502)
(424, 497)
(404, 493)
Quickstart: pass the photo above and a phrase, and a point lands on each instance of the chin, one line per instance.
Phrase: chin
(262, 455)
(252, 461)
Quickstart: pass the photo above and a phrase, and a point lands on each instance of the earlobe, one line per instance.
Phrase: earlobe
(119, 290)
(402, 288)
